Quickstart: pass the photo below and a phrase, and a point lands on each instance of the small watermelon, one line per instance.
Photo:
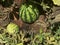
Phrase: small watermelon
(56, 2)
(28, 13)
(12, 28)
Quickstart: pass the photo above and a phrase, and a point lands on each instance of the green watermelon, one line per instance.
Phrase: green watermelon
(56, 2)
(12, 28)
(28, 13)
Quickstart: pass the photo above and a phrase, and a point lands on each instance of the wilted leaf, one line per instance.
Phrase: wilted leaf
(57, 19)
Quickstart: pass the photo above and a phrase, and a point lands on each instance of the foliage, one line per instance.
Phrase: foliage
(12, 34)
(20, 38)
(6, 3)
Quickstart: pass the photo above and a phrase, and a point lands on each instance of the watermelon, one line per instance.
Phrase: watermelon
(28, 13)
(12, 28)
(56, 2)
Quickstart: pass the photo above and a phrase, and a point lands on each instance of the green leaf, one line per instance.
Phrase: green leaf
(41, 31)
(59, 43)
(20, 44)
(3, 0)
(41, 38)
(45, 6)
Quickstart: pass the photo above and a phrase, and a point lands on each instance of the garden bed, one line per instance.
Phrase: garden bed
(44, 31)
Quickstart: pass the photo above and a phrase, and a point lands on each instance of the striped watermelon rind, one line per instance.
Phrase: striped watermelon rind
(28, 13)
(12, 28)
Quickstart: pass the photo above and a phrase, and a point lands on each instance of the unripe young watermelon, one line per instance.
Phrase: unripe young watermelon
(28, 13)
(12, 28)
(56, 2)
